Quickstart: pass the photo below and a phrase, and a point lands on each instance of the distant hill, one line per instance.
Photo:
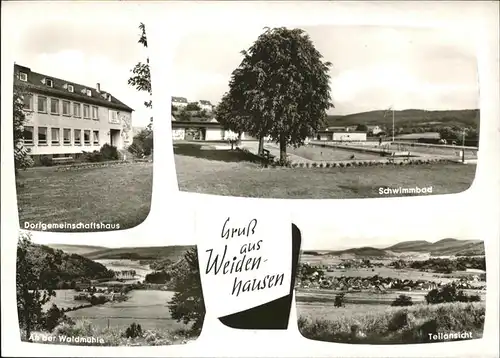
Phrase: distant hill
(172, 253)
(66, 267)
(362, 251)
(410, 246)
(409, 118)
(76, 249)
(445, 247)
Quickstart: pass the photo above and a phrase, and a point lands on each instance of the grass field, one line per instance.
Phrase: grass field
(393, 325)
(112, 195)
(223, 172)
(64, 299)
(146, 307)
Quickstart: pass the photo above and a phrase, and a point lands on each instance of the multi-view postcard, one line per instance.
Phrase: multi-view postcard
(288, 111)
(107, 296)
(83, 139)
(325, 112)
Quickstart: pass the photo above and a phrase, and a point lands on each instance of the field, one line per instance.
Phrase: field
(119, 265)
(64, 299)
(146, 307)
(222, 172)
(319, 303)
(112, 195)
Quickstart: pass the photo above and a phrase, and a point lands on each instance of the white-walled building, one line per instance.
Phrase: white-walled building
(205, 105)
(179, 102)
(209, 130)
(64, 118)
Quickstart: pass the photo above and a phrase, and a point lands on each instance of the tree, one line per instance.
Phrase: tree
(34, 283)
(281, 88)
(402, 300)
(187, 304)
(362, 128)
(22, 159)
(193, 106)
(449, 293)
(142, 145)
(158, 277)
(142, 75)
(53, 317)
(339, 300)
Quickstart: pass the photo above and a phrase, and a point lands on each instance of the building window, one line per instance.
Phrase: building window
(113, 117)
(77, 110)
(42, 135)
(28, 102)
(23, 76)
(78, 137)
(89, 93)
(42, 104)
(66, 136)
(96, 138)
(66, 108)
(71, 88)
(28, 135)
(86, 111)
(54, 106)
(86, 137)
(49, 82)
(95, 113)
(55, 134)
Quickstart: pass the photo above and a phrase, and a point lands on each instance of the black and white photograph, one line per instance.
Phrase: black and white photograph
(393, 286)
(82, 118)
(84, 295)
(325, 112)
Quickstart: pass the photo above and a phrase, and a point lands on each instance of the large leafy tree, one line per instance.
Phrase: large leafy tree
(229, 118)
(142, 144)
(34, 283)
(187, 304)
(281, 89)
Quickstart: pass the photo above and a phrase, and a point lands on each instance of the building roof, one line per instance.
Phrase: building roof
(204, 102)
(195, 124)
(179, 99)
(339, 131)
(36, 83)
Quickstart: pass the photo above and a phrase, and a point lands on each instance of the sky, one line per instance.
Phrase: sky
(373, 67)
(376, 224)
(85, 50)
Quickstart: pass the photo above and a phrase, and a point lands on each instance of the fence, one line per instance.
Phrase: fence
(440, 150)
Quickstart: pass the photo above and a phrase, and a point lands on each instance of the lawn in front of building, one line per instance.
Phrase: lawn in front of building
(222, 173)
(119, 194)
